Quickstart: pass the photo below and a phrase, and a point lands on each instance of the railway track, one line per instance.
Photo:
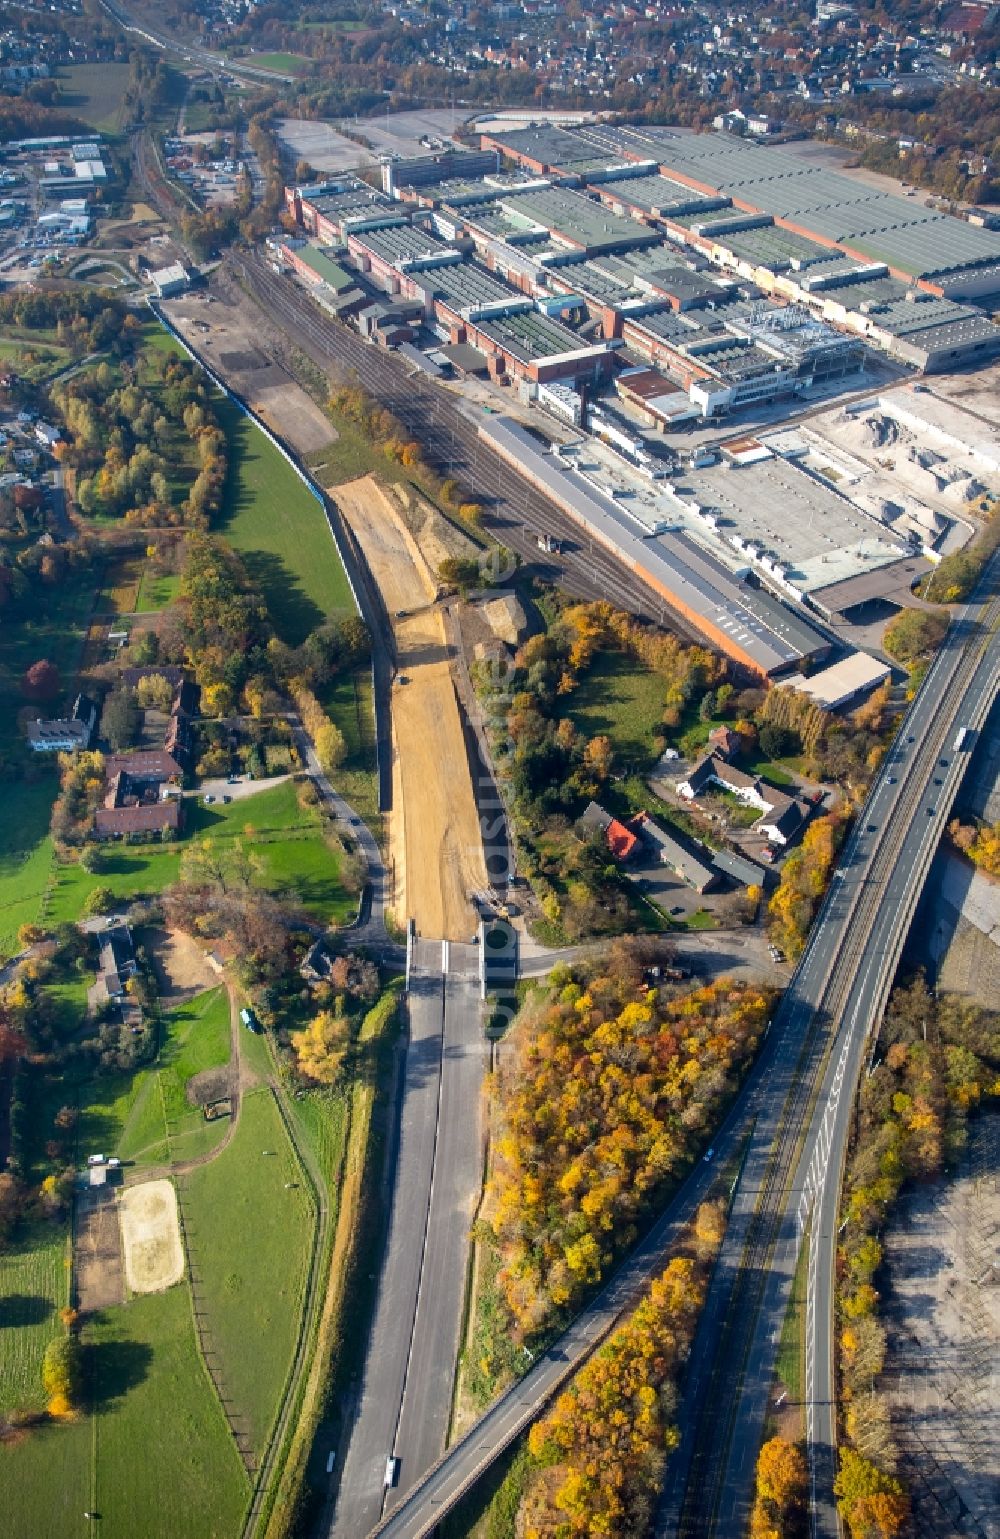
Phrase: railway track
(516, 513)
(704, 1484)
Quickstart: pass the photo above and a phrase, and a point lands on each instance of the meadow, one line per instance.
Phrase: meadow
(34, 1286)
(161, 1123)
(287, 63)
(151, 1452)
(618, 697)
(94, 93)
(280, 530)
(250, 1218)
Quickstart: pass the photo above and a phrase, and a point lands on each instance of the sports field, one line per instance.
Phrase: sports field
(287, 63)
(281, 531)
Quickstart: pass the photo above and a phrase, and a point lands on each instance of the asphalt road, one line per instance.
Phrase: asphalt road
(798, 1144)
(373, 1432)
(403, 1406)
(821, 1172)
(730, 1368)
(456, 1183)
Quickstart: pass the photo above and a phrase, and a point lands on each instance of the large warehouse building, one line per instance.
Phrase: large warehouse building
(742, 620)
(796, 230)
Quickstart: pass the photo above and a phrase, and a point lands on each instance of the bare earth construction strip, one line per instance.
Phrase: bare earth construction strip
(434, 825)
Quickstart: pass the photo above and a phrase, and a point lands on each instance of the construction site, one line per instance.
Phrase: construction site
(436, 850)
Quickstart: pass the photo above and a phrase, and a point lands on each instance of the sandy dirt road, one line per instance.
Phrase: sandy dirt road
(434, 824)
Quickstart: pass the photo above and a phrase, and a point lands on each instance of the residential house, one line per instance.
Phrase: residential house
(116, 965)
(724, 741)
(65, 735)
(621, 841)
(782, 816)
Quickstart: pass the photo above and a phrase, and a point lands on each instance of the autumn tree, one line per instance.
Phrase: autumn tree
(914, 635)
(154, 692)
(804, 876)
(460, 572)
(606, 1093)
(41, 681)
(872, 1503)
(780, 1489)
(320, 1049)
(61, 1375)
(330, 746)
(603, 1445)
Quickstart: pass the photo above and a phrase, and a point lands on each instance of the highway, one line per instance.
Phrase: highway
(821, 1174)
(403, 1405)
(191, 53)
(799, 1141)
(710, 1476)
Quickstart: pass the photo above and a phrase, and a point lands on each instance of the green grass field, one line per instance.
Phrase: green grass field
(790, 1363)
(331, 26)
(26, 858)
(156, 592)
(153, 1393)
(288, 63)
(287, 838)
(34, 1286)
(94, 93)
(46, 359)
(621, 699)
(250, 1219)
(281, 532)
(154, 1457)
(161, 1123)
(348, 701)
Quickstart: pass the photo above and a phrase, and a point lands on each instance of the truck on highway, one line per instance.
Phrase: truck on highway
(963, 739)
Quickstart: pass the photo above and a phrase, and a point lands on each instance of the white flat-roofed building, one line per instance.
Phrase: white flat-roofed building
(844, 681)
(171, 280)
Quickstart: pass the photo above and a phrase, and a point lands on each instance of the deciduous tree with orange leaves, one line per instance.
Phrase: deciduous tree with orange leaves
(780, 1492)
(610, 1090)
(603, 1445)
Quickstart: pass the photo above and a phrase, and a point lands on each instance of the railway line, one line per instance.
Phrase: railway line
(710, 1479)
(516, 512)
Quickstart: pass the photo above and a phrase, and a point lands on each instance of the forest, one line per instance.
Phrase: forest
(612, 1084)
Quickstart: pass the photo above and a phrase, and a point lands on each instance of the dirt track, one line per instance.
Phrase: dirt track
(434, 825)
